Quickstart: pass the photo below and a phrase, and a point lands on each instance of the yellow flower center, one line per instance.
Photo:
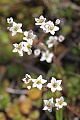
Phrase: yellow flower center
(41, 20)
(29, 36)
(60, 102)
(51, 28)
(15, 28)
(54, 85)
(47, 55)
(29, 46)
(38, 82)
(19, 47)
(48, 105)
(52, 41)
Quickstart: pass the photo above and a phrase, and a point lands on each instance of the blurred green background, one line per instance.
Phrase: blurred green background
(18, 103)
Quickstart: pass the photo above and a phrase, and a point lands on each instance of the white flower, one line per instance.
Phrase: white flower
(27, 46)
(16, 28)
(53, 40)
(57, 22)
(48, 105)
(10, 20)
(37, 52)
(18, 48)
(29, 35)
(38, 82)
(40, 21)
(60, 103)
(29, 87)
(54, 85)
(49, 27)
(46, 56)
(27, 79)
(61, 38)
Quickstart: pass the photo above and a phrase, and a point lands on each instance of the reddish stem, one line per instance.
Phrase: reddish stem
(58, 67)
(41, 38)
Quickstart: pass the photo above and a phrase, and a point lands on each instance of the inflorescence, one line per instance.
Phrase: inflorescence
(26, 46)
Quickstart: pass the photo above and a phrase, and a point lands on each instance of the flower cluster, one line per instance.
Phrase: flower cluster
(47, 27)
(49, 104)
(53, 85)
(28, 37)
(38, 83)
(54, 40)
(26, 46)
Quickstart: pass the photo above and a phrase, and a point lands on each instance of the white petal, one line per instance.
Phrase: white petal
(39, 86)
(50, 109)
(29, 87)
(59, 82)
(33, 80)
(57, 99)
(24, 38)
(14, 24)
(26, 33)
(46, 102)
(29, 52)
(49, 60)
(15, 45)
(56, 28)
(45, 108)
(64, 103)
(61, 98)
(36, 19)
(34, 85)
(14, 33)
(59, 88)
(43, 81)
(23, 79)
(53, 89)
(51, 55)
(19, 30)
(20, 25)
(15, 50)
(50, 45)
(42, 58)
(49, 85)
(51, 100)
(40, 77)
(53, 80)
(52, 32)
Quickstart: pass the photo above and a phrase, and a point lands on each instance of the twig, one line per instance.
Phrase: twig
(41, 38)
(16, 91)
(74, 111)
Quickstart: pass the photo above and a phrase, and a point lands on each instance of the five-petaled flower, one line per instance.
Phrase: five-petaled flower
(27, 46)
(10, 20)
(38, 82)
(60, 103)
(40, 20)
(18, 48)
(61, 38)
(29, 35)
(16, 28)
(27, 79)
(49, 104)
(37, 52)
(57, 21)
(54, 85)
(49, 27)
(52, 41)
(46, 56)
